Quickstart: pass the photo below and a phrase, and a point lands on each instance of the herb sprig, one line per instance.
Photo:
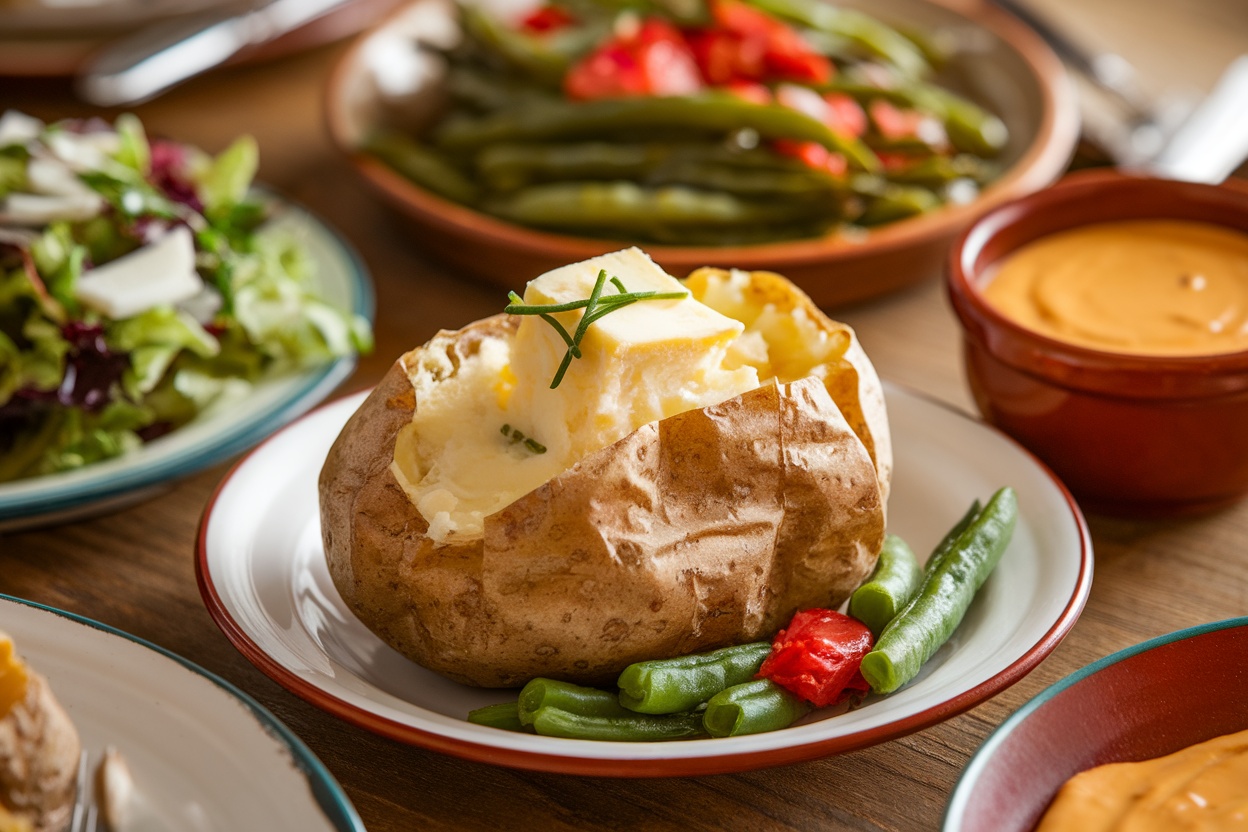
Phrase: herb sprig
(595, 306)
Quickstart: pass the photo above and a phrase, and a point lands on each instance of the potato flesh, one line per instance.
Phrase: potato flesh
(639, 364)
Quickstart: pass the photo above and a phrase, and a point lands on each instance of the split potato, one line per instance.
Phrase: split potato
(705, 467)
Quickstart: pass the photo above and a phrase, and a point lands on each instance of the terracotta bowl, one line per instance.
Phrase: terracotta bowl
(1143, 702)
(1128, 434)
(384, 79)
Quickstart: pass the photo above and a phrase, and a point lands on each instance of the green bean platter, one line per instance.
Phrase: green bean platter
(695, 122)
(897, 620)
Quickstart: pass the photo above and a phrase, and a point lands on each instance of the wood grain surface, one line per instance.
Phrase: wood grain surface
(134, 569)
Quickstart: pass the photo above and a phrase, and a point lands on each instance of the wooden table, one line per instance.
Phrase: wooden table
(134, 569)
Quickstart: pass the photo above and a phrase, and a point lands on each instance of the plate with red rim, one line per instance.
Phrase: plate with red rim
(262, 575)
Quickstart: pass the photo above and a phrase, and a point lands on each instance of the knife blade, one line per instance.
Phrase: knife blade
(1213, 140)
(154, 59)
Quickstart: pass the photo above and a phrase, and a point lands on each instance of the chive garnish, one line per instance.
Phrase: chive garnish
(516, 436)
(595, 306)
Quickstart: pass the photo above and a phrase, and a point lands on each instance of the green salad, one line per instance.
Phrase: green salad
(140, 282)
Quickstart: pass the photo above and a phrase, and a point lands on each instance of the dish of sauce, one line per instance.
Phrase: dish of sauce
(1203, 788)
(1151, 287)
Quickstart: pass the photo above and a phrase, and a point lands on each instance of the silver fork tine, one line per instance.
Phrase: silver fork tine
(91, 820)
(83, 818)
(80, 783)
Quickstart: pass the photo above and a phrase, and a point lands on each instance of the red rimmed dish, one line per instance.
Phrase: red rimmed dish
(1129, 434)
(1137, 704)
(262, 574)
(378, 81)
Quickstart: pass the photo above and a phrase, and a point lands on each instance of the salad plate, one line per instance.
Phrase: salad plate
(265, 583)
(181, 730)
(220, 430)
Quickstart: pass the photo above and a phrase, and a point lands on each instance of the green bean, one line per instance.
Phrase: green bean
(554, 722)
(894, 202)
(604, 119)
(513, 47)
(628, 208)
(894, 582)
(423, 165)
(865, 32)
(946, 544)
(937, 171)
(667, 686)
(510, 166)
(948, 589)
(483, 91)
(790, 184)
(751, 708)
(971, 128)
(504, 715)
(551, 693)
(711, 165)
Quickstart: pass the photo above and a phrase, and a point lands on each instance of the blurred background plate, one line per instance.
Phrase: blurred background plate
(219, 432)
(204, 755)
(49, 39)
(382, 79)
(263, 577)
(1143, 702)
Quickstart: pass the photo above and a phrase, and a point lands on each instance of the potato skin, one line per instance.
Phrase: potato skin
(705, 529)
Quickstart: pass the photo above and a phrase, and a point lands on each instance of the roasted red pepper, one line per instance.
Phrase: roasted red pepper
(765, 49)
(813, 155)
(545, 19)
(817, 657)
(652, 60)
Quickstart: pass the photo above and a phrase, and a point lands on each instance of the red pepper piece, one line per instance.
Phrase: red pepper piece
(894, 123)
(817, 657)
(653, 60)
(784, 54)
(845, 115)
(813, 154)
(546, 19)
(751, 91)
(726, 57)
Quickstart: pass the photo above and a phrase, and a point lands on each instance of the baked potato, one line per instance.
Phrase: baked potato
(704, 468)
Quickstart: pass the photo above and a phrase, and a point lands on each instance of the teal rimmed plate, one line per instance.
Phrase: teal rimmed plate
(203, 754)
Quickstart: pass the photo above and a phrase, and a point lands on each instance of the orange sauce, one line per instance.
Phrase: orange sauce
(1203, 788)
(1152, 287)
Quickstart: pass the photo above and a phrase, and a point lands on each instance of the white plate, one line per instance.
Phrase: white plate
(205, 756)
(263, 576)
(217, 433)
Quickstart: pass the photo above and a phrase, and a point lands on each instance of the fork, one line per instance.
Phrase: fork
(85, 817)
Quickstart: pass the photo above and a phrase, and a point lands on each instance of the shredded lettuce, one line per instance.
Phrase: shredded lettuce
(77, 387)
(224, 181)
(59, 259)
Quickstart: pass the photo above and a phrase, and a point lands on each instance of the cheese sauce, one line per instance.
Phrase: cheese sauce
(1153, 287)
(1203, 788)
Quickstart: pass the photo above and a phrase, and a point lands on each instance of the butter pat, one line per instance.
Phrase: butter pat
(640, 363)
